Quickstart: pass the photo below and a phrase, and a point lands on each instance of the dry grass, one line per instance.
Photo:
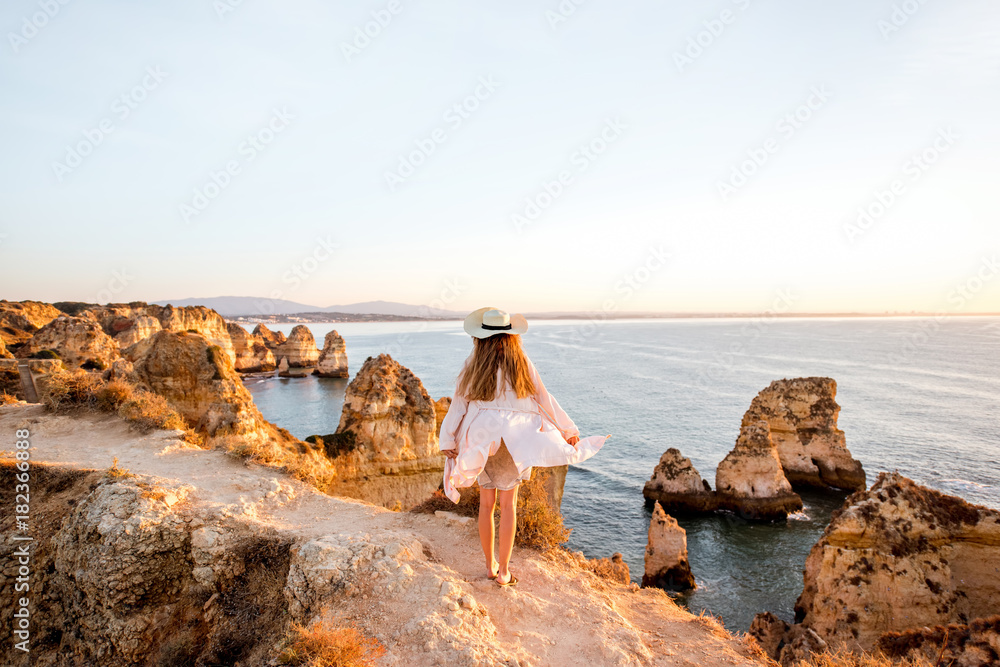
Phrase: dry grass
(539, 526)
(613, 569)
(7, 399)
(844, 659)
(321, 645)
(114, 472)
(82, 390)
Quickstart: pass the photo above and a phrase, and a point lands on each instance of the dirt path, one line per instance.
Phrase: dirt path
(557, 615)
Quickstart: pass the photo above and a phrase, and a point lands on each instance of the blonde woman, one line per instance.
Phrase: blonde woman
(501, 423)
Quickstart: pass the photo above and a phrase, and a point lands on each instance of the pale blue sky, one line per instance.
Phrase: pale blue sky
(655, 186)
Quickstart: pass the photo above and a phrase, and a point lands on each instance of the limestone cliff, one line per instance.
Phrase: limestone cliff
(974, 644)
(299, 349)
(802, 416)
(441, 407)
(898, 556)
(252, 355)
(386, 447)
(666, 564)
(19, 320)
(677, 486)
(750, 481)
(79, 341)
(186, 556)
(332, 361)
(4, 353)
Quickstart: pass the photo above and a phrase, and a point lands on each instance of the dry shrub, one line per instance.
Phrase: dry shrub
(845, 659)
(114, 472)
(613, 569)
(276, 450)
(7, 399)
(79, 389)
(321, 645)
(539, 525)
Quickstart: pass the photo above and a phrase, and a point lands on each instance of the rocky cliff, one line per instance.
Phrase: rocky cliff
(79, 341)
(299, 348)
(666, 563)
(271, 338)
(897, 556)
(332, 361)
(386, 447)
(19, 320)
(802, 416)
(750, 481)
(4, 353)
(183, 556)
(252, 355)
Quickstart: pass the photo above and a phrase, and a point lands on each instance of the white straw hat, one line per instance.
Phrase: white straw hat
(485, 322)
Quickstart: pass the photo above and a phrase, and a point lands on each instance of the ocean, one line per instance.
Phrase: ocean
(918, 395)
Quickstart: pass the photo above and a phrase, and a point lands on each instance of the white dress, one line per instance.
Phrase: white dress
(534, 429)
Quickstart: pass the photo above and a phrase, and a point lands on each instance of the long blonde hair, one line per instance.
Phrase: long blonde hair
(478, 380)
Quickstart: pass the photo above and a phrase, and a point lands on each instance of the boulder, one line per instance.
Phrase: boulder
(802, 415)
(79, 341)
(199, 381)
(272, 339)
(896, 557)
(677, 486)
(19, 320)
(666, 563)
(283, 371)
(750, 480)
(769, 631)
(252, 355)
(299, 348)
(386, 447)
(333, 359)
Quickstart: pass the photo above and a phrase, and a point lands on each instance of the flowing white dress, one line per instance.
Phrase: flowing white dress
(534, 428)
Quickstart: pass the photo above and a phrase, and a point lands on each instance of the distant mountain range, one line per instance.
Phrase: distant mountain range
(250, 305)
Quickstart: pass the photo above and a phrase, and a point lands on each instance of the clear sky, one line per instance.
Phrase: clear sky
(729, 144)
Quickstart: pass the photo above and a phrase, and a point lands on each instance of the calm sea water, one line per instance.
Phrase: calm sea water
(917, 396)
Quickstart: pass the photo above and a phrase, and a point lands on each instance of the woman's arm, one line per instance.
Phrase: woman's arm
(549, 404)
(453, 420)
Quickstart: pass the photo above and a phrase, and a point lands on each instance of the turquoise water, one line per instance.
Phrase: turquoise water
(917, 396)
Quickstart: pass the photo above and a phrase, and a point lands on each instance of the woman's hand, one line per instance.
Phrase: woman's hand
(573, 440)
(450, 453)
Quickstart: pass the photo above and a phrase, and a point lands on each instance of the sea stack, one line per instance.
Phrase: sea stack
(252, 355)
(386, 447)
(666, 554)
(895, 558)
(750, 481)
(677, 486)
(299, 349)
(333, 359)
(802, 415)
(271, 338)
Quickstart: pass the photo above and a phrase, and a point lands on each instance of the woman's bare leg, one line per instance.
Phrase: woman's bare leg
(508, 525)
(487, 502)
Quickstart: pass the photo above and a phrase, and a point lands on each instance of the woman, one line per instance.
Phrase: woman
(502, 422)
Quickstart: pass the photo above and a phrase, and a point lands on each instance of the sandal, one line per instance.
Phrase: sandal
(512, 582)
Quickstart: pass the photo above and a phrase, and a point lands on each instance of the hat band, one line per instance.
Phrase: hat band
(490, 327)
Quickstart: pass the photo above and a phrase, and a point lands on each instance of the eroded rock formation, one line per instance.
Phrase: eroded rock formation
(19, 320)
(677, 486)
(441, 407)
(4, 353)
(332, 361)
(802, 416)
(79, 341)
(896, 557)
(386, 449)
(750, 481)
(271, 338)
(252, 355)
(666, 564)
(133, 324)
(975, 644)
(299, 348)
